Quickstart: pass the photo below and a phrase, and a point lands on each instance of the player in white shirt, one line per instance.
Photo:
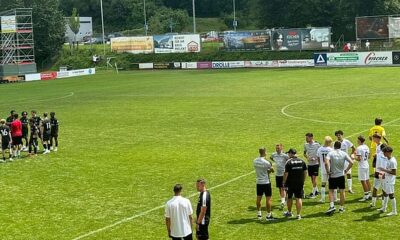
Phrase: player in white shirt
(345, 147)
(280, 158)
(322, 153)
(380, 163)
(263, 184)
(178, 216)
(390, 172)
(310, 152)
(362, 155)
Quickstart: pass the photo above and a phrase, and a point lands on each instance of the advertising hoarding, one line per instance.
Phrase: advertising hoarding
(396, 58)
(189, 65)
(229, 64)
(204, 65)
(372, 27)
(286, 39)
(177, 43)
(301, 39)
(8, 24)
(353, 59)
(247, 41)
(315, 38)
(134, 45)
(394, 27)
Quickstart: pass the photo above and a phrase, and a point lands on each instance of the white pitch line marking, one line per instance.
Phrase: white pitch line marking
(283, 110)
(153, 209)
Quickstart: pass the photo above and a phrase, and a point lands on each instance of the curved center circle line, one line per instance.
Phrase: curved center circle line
(283, 109)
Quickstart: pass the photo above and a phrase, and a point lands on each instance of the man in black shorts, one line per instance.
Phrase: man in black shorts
(54, 131)
(294, 178)
(46, 131)
(5, 140)
(203, 210)
(25, 126)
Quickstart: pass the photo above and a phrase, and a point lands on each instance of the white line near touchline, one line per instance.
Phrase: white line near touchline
(153, 209)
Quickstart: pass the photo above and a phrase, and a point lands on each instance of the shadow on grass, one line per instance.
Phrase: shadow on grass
(363, 210)
(263, 221)
(317, 215)
(369, 218)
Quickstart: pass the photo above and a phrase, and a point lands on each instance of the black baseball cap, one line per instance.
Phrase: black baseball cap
(292, 151)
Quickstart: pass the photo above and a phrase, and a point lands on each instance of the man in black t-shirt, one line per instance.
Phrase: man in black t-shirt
(10, 118)
(54, 131)
(25, 126)
(295, 175)
(5, 139)
(45, 130)
(203, 210)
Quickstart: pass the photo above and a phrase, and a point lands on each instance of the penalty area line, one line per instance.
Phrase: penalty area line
(152, 210)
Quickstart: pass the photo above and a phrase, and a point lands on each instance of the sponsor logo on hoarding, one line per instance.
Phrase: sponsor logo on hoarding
(396, 57)
(373, 59)
(320, 59)
(220, 65)
(193, 47)
(48, 75)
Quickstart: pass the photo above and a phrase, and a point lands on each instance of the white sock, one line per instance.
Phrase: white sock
(394, 208)
(283, 200)
(268, 214)
(373, 200)
(331, 204)
(259, 213)
(384, 203)
(350, 183)
(335, 194)
(323, 193)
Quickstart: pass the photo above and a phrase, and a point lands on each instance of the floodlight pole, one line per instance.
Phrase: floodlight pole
(234, 15)
(102, 26)
(145, 17)
(194, 16)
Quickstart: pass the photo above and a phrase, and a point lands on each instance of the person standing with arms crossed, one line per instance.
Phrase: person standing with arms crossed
(203, 210)
(178, 216)
(294, 178)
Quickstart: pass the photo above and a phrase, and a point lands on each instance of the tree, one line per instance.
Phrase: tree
(74, 24)
(161, 21)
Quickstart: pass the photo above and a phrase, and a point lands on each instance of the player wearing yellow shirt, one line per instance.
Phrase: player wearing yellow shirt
(379, 130)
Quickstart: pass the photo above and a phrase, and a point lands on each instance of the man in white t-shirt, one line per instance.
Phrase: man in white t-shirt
(345, 147)
(335, 167)
(178, 216)
(322, 153)
(390, 172)
(362, 155)
(263, 168)
(310, 152)
(280, 158)
(379, 163)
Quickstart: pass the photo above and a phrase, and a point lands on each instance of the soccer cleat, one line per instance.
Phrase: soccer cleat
(287, 214)
(282, 206)
(51, 148)
(331, 210)
(391, 214)
(46, 151)
(10, 159)
(55, 149)
(2, 161)
(350, 191)
(270, 218)
(322, 200)
(259, 216)
(341, 210)
(372, 204)
(381, 210)
(316, 193)
(298, 217)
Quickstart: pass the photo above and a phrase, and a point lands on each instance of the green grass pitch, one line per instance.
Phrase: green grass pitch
(126, 139)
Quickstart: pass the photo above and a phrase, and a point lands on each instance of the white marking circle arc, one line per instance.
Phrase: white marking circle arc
(283, 109)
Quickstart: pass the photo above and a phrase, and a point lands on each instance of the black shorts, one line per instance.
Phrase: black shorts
(202, 234)
(264, 189)
(16, 141)
(5, 144)
(24, 133)
(46, 137)
(279, 181)
(297, 191)
(335, 183)
(313, 170)
(188, 237)
(54, 134)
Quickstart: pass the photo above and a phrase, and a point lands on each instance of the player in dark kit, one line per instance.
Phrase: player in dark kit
(38, 121)
(33, 140)
(25, 126)
(203, 210)
(10, 118)
(54, 131)
(46, 131)
(5, 139)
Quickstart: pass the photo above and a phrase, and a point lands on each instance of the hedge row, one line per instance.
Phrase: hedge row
(82, 58)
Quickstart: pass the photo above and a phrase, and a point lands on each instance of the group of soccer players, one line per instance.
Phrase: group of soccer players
(15, 131)
(334, 161)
